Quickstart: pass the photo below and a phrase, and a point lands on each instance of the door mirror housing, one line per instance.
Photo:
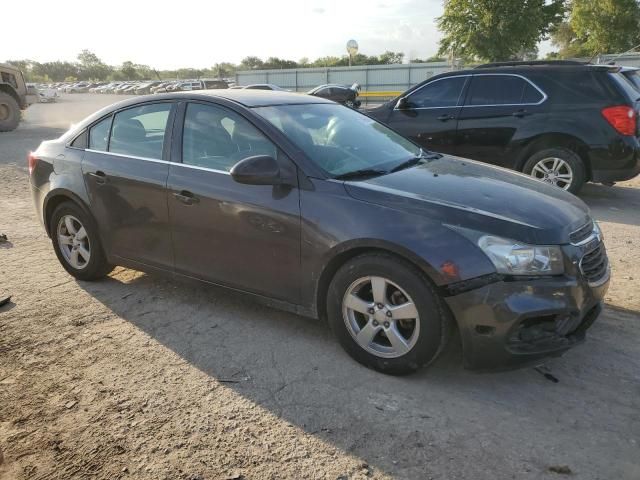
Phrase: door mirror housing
(257, 170)
(402, 103)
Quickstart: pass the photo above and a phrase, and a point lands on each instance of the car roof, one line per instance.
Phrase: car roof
(255, 98)
(536, 67)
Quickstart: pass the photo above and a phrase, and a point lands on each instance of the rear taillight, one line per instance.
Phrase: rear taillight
(622, 118)
(32, 160)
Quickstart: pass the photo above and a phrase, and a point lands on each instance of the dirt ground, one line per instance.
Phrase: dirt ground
(144, 377)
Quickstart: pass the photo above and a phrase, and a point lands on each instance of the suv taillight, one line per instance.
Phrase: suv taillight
(32, 160)
(622, 118)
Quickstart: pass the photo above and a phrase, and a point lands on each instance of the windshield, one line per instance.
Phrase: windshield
(340, 140)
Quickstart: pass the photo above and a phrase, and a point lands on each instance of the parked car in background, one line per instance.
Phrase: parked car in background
(47, 95)
(562, 122)
(390, 243)
(338, 93)
(264, 86)
(120, 90)
(109, 88)
(144, 88)
(77, 87)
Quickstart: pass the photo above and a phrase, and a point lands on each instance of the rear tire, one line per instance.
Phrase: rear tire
(386, 338)
(9, 113)
(77, 244)
(569, 163)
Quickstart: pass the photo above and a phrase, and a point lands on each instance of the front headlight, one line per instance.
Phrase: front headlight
(514, 258)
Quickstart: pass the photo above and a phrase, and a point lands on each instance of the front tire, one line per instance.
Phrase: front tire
(77, 243)
(9, 113)
(386, 314)
(560, 167)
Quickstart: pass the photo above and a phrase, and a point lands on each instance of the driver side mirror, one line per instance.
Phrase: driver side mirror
(257, 170)
(402, 103)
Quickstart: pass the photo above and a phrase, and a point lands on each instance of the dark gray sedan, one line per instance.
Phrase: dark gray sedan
(321, 210)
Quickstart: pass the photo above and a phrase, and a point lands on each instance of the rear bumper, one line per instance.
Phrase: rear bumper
(617, 161)
(512, 324)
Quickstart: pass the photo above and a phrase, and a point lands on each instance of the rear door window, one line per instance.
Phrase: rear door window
(99, 135)
(140, 131)
(440, 93)
(488, 90)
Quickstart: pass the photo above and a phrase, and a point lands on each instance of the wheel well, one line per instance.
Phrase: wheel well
(8, 89)
(556, 140)
(53, 203)
(334, 265)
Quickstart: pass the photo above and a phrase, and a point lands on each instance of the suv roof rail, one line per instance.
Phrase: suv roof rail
(533, 62)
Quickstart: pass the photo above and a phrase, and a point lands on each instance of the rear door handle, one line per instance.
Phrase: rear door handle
(186, 197)
(521, 113)
(444, 118)
(100, 176)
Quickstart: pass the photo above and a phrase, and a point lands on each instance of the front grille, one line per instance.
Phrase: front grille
(594, 263)
(581, 234)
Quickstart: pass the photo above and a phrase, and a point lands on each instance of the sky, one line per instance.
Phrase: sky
(201, 33)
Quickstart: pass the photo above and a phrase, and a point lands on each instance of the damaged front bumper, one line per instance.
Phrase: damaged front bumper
(508, 324)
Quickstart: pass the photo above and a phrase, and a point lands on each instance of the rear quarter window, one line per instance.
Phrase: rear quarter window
(581, 86)
(624, 85)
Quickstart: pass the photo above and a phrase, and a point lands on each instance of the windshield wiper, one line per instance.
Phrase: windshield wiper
(413, 161)
(363, 173)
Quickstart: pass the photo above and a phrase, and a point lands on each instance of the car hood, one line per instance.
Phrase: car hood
(469, 194)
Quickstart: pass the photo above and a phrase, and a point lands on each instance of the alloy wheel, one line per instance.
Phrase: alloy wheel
(74, 242)
(555, 171)
(381, 317)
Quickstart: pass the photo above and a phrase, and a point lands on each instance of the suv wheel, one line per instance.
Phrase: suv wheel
(76, 243)
(9, 113)
(560, 167)
(386, 314)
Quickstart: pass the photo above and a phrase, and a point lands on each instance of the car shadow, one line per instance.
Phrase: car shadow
(617, 204)
(293, 367)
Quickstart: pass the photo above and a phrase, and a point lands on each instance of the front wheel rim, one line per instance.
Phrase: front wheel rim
(381, 317)
(73, 242)
(554, 171)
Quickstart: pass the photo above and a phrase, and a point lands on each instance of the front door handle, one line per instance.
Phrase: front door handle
(521, 113)
(444, 118)
(100, 176)
(186, 197)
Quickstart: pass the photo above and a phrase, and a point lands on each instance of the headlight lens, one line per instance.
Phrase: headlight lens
(513, 258)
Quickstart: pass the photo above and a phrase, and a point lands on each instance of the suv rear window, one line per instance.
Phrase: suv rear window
(501, 90)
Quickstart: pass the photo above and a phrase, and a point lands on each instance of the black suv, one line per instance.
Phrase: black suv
(562, 122)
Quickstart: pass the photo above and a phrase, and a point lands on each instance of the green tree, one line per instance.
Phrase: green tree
(495, 30)
(605, 26)
(129, 71)
(57, 71)
(434, 58)
(388, 57)
(251, 63)
(275, 63)
(224, 69)
(91, 67)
